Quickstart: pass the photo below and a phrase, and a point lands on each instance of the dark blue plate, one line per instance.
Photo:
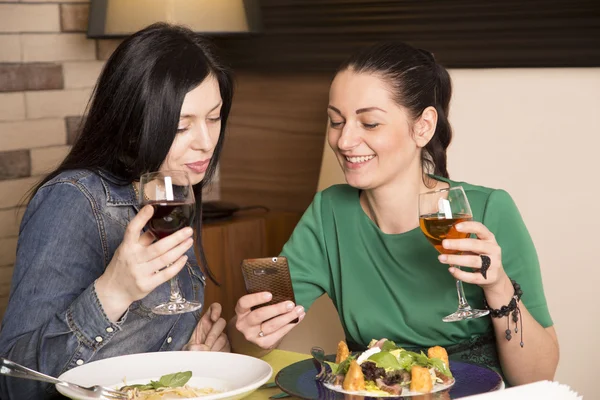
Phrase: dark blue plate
(298, 380)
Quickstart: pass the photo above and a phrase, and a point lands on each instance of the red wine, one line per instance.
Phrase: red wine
(170, 217)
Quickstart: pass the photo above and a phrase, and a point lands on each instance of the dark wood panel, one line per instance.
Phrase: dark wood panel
(279, 228)
(227, 243)
(272, 156)
(316, 35)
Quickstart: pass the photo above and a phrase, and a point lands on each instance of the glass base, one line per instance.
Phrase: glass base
(465, 313)
(172, 308)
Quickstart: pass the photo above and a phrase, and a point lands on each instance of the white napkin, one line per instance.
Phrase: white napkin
(545, 390)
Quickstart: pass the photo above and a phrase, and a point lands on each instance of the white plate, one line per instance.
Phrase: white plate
(405, 390)
(235, 375)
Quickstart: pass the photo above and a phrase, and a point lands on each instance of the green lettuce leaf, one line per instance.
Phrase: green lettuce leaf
(177, 379)
(410, 358)
(406, 361)
(345, 365)
(440, 366)
(388, 345)
(140, 387)
(334, 367)
(385, 360)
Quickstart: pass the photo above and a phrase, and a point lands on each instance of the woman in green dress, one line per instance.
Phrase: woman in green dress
(360, 243)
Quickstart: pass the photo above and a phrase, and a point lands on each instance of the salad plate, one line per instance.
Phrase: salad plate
(389, 372)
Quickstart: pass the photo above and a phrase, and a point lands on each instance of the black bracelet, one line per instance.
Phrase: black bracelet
(512, 307)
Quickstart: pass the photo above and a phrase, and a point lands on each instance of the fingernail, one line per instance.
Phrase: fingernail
(458, 227)
(301, 317)
(442, 257)
(300, 310)
(268, 296)
(188, 231)
(289, 305)
(451, 270)
(446, 244)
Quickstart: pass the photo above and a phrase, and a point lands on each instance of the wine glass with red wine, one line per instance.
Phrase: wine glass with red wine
(172, 196)
(439, 212)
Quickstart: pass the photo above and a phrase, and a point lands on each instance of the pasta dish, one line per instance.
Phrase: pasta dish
(172, 386)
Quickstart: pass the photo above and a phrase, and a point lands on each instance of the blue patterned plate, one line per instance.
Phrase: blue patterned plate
(298, 380)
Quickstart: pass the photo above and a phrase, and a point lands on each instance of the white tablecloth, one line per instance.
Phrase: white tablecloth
(545, 390)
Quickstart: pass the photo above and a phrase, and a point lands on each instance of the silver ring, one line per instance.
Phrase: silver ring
(261, 334)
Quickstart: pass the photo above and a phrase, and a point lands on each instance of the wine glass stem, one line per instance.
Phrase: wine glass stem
(462, 300)
(175, 296)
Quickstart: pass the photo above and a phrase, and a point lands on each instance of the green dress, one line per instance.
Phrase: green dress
(393, 286)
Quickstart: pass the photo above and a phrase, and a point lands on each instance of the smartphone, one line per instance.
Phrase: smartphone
(269, 274)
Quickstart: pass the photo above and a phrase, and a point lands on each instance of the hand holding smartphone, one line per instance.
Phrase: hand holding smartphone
(269, 274)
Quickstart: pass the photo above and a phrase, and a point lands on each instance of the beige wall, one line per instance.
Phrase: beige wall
(535, 133)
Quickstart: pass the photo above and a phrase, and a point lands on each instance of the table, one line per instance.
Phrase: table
(277, 359)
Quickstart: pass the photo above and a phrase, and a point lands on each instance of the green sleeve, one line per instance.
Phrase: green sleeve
(519, 257)
(307, 256)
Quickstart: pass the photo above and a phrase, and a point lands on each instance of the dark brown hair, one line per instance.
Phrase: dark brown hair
(133, 114)
(417, 82)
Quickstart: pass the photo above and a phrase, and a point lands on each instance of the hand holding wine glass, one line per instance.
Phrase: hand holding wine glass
(439, 213)
(171, 195)
(132, 272)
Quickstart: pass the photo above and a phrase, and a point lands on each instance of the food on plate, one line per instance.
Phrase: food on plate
(438, 352)
(342, 352)
(172, 386)
(387, 369)
(354, 379)
(420, 379)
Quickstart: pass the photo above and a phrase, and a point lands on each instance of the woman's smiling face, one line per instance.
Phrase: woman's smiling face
(369, 132)
(198, 131)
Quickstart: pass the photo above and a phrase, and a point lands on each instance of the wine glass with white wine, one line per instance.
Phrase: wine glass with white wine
(439, 212)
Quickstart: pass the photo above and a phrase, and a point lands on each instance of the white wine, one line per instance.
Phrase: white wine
(437, 228)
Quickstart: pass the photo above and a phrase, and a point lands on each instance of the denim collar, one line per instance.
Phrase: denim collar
(119, 192)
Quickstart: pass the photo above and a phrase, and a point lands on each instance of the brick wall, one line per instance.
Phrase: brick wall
(47, 71)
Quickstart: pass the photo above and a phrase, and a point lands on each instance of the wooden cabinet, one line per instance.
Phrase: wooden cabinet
(227, 243)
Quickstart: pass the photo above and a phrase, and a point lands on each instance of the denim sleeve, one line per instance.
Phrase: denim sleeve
(54, 320)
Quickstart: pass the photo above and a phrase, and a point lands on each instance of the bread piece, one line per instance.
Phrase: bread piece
(342, 352)
(420, 380)
(438, 352)
(354, 380)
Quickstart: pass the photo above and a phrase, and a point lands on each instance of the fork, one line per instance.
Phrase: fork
(13, 369)
(323, 376)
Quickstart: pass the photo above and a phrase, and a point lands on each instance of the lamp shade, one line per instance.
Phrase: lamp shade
(119, 18)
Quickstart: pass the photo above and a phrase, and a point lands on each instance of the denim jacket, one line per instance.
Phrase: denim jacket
(54, 321)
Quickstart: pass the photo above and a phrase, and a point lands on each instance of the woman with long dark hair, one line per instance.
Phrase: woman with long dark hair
(86, 277)
(360, 243)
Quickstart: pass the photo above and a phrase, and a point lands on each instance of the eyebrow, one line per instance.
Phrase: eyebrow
(367, 109)
(359, 111)
(334, 109)
(183, 116)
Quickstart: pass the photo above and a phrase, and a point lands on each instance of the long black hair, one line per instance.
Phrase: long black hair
(417, 82)
(134, 111)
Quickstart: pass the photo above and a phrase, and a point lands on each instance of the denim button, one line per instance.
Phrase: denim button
(109, 330)
(79, 362)
(169, 339)
(99, 339)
